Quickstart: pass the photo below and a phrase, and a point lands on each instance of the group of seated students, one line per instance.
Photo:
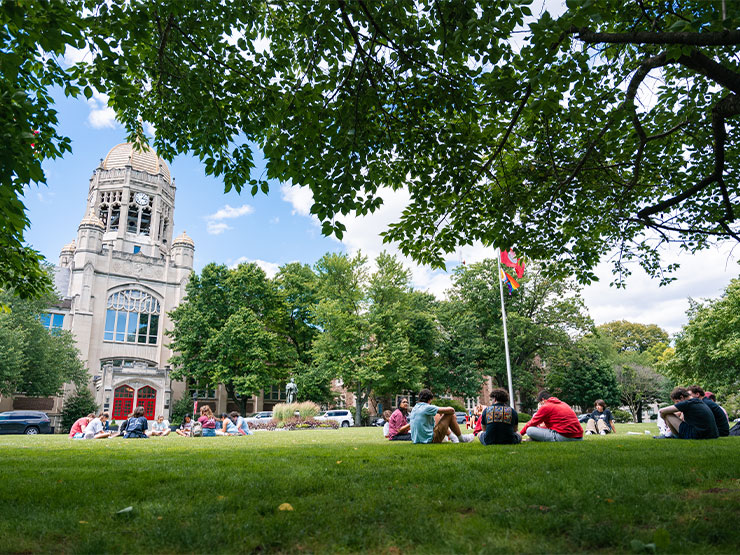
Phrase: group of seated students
(136, 426)
(694, 416)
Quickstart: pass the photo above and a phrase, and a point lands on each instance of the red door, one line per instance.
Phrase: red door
(123, 402)
(147, 397)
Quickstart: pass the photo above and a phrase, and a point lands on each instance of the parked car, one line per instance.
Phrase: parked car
(460, 416)
(258, 417)
(583, 418)
(343, 416)
(377, 421)
(29, 422)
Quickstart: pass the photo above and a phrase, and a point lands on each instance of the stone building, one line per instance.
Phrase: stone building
(118, 280)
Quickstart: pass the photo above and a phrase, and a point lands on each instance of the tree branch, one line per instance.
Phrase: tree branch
(689, 38)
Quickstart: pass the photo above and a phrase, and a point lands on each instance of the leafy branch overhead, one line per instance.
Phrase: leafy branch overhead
(608, 127)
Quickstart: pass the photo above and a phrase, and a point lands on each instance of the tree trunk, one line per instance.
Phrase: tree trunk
(639, 413)
(358, 407)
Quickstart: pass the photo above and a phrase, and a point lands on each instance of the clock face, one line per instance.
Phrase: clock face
(142, 199)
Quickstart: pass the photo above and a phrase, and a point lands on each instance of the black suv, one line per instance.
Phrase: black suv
(30, 422)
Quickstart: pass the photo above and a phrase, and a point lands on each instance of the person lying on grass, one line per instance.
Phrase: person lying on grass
(499, 422)
(161, 427)
(185, 427)
(398, 425)
(78, 428)
(689, 418)
(95, 429)
(136, 427)
(600, 421)
(423, 426)
(559, 420)
(720, 416)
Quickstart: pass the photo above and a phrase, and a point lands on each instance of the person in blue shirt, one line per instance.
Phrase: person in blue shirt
(424, 429)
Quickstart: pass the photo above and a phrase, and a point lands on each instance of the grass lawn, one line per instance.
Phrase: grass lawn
(350, 491)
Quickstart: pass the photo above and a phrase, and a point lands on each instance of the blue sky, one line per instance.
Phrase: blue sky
(275, 229)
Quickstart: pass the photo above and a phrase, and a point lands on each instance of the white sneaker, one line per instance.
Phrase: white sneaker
(602, 432)
(589, 433)
(467, 438)
(453, 438)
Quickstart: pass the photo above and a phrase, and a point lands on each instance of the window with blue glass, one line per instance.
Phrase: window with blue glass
(132, 317)
(52, 321)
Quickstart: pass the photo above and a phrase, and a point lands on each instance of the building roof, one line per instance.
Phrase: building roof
(93, 220)
(183, 239)
(69, 248)
(146, 160)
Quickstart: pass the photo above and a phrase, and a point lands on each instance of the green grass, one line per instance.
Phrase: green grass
(353, 491)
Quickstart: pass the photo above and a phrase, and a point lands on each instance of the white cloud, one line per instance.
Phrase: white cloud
(300, 197)
(216, 228)
(75, 55)
(214, 222)
(270, 268)
(229, 212)
(101, 116)
(150, 130)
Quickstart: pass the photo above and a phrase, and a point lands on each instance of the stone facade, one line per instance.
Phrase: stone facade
(120, 277)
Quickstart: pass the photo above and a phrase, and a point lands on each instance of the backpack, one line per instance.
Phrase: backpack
(196, 430)
(735, 430)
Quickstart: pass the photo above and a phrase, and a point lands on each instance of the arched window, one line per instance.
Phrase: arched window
(147, 397)
(123, 402)
(132, 317)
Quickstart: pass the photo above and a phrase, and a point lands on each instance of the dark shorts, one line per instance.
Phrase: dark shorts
(401, 437)
(687, 431)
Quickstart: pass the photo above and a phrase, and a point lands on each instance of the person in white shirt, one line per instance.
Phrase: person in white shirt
(160, 428)
(95, 429)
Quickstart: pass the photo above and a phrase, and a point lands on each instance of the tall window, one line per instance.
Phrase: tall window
(132, 317)
(52, 322)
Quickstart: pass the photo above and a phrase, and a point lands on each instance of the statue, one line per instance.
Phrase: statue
(291, 391)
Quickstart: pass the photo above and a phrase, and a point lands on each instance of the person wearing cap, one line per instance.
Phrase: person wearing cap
(720, 417)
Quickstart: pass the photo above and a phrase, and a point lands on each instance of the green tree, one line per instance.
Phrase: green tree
(366, 328)
(639, 385)
(229, 330)
(579, 375)
(505, 127)
(707, 349)
(633, 337)
(33, 360)
(542, 315)
(79, 404)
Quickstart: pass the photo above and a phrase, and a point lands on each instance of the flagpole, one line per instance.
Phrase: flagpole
(506, 335)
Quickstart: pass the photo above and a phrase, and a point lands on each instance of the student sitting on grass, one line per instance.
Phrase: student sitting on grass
(423, 426)
(228, 425)
(161, 427)
(96, 428)
(137, 425)
(600, 421)
(720, 417)
(78, 428)
(185, 427)
(689, 418)
(559, 420)
(242, 425)
(499, 421)
(398, 425)
(386, 426)
(207, 421)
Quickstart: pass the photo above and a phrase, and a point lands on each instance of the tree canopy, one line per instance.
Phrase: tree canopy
(603, 128)
(34, 360)
(569, 137)
(707, 349)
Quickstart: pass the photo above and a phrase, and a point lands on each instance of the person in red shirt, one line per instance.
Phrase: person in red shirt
(553, 421)
(78, 428)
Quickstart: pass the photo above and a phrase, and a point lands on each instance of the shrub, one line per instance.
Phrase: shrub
(76, 406)
(622, 416)
(732, 405)
(308, 410)
(284, 411)
(295, 424)
(524, 417)
(365, 416)
(180, 408)
(454, 403)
